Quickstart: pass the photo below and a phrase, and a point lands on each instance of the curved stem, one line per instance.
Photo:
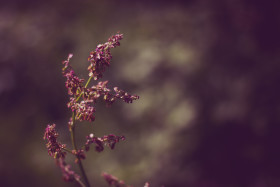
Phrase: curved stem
(72, 131)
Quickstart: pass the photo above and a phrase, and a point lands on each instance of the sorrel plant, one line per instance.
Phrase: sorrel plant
(82, 103)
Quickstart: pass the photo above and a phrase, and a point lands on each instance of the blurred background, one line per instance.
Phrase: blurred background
(207, 73)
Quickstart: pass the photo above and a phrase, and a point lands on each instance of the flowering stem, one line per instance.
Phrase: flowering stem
(72, 131)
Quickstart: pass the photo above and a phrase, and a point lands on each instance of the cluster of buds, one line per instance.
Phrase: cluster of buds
(84, 110)
(73, 83)
(109, 140)
(55, 149)
(80, 155)
(68, 174)
(101, 57)
(114, 181)
(101, 90)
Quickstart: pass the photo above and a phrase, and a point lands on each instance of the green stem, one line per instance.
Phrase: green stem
(81, 183)
(72, 131)
(88, 81)
(85, 87)
(67, 150)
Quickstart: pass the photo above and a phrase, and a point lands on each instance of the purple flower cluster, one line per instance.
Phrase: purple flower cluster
(101, 57)
(114, 181)
(54, 147)
(73, 83)
(109, 140)
(67, 173)
(84, 110)
(80, 155)
(55, 150)
(101, 89)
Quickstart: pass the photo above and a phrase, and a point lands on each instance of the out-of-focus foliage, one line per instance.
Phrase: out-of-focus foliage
(207, 73)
